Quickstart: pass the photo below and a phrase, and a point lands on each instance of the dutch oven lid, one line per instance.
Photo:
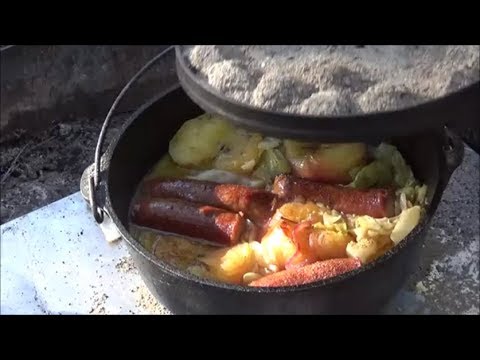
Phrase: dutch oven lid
(461, 106)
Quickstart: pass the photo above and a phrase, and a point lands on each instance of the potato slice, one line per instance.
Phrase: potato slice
(199, 140)
(369, 249)
(230, 264)
(277, 247)
(298, 212)
(167, 168)
(330, 244)
(239, 153)
(330, 163)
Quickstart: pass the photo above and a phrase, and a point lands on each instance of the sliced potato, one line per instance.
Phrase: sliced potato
(382, 226)
(199, 140)
(409, 218)
(331, 163)
(363, 249)
(230, 264)
(258, 251)
(298, 149)
(368, 249)
(277, 247)
(298, 212)
(239, 153)
(330, 244)
(167, 168)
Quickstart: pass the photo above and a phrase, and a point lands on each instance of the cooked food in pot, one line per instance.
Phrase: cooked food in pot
(237, 207)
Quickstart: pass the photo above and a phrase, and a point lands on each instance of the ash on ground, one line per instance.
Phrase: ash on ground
(147, 302)
(126, 265)
(37, 170)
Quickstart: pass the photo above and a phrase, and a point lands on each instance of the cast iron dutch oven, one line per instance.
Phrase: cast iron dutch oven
(433, 155)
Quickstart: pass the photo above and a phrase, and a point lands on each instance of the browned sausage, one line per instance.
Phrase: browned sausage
(189, 219)
(377, 203)
(320, 270)
(256, 204)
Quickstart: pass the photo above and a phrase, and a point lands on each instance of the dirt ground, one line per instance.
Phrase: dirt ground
(37, 170)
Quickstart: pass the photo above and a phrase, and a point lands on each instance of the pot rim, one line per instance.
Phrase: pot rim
(414, 236)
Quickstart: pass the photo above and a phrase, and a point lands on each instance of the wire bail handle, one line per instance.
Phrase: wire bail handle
(94, 180)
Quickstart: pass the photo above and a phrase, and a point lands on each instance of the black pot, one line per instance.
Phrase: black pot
(144, 139)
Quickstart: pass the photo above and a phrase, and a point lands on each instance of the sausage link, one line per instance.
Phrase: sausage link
(377, 203)
(258, 205)
(189, 219)
(317, 271)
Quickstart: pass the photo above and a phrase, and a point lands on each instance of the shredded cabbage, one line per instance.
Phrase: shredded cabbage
(375, 174)
(402, 173)
(407, 221)
(388, 168)
(272, 163)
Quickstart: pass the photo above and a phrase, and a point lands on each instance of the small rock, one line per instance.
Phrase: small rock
(4, 212)
(64, 129)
